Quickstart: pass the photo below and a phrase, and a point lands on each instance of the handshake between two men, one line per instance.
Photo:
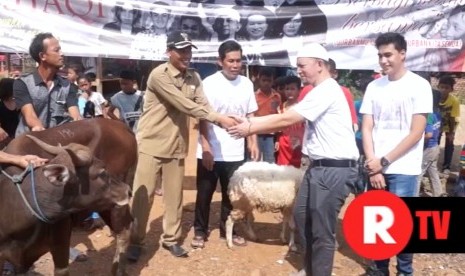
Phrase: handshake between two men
(236, 126)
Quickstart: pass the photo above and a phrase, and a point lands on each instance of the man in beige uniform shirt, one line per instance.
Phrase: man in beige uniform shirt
(174, 92)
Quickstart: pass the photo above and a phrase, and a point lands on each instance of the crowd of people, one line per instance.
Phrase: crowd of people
(308, 121)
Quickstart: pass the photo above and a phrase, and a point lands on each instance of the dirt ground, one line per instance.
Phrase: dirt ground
(268, 256)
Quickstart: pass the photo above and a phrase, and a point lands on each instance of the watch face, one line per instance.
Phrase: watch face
(384, 162)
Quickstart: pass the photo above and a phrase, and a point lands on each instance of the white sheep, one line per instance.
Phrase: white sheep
(263, 187)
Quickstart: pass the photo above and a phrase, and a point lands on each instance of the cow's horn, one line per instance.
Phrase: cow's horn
(80, 154)
(47, 147)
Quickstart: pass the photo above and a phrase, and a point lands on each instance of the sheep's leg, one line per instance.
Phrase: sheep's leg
(292, 246)
(229, 231)
(284, 224)
(249, 230)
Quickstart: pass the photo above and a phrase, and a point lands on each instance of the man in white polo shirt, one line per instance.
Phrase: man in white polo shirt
(330, 144)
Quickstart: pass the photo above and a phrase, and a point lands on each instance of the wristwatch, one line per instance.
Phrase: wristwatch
(385, 162)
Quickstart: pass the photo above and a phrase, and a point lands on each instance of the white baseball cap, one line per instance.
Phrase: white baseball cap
(313, 50)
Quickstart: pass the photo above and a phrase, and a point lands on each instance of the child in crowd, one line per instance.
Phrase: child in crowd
(268, 101)
(289, 141)
(82, 101)
(73, 72)
(449, 107)
(85, 84)
(431, 155)
(279, 85)
(128, 101)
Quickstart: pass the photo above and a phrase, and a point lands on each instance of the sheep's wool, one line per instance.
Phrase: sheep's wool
(264, 186)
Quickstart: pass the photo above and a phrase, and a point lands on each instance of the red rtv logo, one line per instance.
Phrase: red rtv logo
(378, 225)
(440, 220)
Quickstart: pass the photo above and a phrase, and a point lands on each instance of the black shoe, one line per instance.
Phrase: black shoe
(373, 271)
(133, 253)
(176, 250)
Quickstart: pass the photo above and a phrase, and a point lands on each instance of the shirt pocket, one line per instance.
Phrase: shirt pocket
(189, 91)
(58, 104)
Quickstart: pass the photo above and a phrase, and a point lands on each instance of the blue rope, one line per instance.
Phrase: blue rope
(34, 194)
(17, 180)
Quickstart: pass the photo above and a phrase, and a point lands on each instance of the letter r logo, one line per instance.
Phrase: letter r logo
(377, 225)
(372, 226)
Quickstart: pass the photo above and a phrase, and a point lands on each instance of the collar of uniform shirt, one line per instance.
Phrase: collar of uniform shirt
(173, 71)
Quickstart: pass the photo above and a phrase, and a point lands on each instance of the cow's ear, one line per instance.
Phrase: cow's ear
(56, 174)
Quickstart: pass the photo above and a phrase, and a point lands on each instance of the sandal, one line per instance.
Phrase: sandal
(198, 242)
(238, 240)
(77, 255)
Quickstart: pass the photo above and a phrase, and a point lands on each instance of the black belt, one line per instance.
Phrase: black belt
(334, 163)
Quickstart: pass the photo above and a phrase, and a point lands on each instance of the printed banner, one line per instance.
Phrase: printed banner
(270, 31)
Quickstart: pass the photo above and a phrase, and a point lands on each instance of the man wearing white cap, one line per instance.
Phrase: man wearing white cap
(330, 144)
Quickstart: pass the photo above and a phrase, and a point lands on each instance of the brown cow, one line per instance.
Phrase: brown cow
(33, 221)
(110, 141)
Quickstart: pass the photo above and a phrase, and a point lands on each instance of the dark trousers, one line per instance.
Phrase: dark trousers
(206, 186)
(319, 200)
(266, 147)
(448, 152)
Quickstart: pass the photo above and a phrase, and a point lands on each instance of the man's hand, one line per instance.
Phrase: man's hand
(207, 160)
(240, 130)
(377, 181)
(227, 121)
(254, 152)
(373, 166)
(37, 128)
(24, 160)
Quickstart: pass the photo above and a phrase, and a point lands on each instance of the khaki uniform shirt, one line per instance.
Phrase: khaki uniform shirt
(171, 97)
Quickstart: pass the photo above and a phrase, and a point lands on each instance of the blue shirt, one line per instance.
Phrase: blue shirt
(433, 125)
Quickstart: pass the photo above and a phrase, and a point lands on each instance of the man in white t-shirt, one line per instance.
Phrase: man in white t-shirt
(330, 145)
(394, 110)
(218, 154)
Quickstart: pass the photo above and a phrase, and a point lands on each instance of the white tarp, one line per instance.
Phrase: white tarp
(270, 31)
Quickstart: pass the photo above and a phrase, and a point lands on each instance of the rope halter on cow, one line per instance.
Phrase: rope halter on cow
(17, 179)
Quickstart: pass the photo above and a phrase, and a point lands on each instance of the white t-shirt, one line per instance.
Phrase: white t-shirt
(392, 104)
(329, 133)
(98, 100)
(227, 97)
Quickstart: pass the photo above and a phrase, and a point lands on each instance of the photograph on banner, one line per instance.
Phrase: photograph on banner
(271, 31)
